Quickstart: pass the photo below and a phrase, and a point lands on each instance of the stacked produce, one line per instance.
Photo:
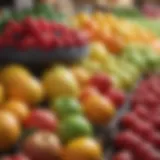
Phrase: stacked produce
(140, 139)
(40, 10)
(113, 31)
(32, 33)
(63, 128)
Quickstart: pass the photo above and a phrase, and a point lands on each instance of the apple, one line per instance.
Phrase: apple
(74, 126)
(42, 145)
(116, 96)
(41, 119)
(127, 140)
(59, 81)
(123, 155)
(102, 82)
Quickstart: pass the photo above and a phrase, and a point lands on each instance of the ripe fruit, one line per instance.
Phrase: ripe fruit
(74, 127)
(101, 82)
(42, 119)
(127, 140)
(28, 90)
(19, 109)
(2, 97)
(123, 155)
(60, 82)
(10, 130)
(82, 148)
(87, 92)
(98, 109)
(66, 106)
(116, 96)
(81, 75)
(42, 146)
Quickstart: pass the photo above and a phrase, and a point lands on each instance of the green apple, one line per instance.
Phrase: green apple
(66, 106)
(74, 127)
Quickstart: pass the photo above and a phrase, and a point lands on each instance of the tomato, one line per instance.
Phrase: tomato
(19, 109)
(98, 109)
(10, 130)
(83, 149)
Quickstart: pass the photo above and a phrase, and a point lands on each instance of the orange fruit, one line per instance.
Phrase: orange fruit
(98, 109)
(81, 75)
(10, 130)
(83, 149)
(19, 109)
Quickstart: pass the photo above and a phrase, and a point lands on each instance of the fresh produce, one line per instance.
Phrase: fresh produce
(66, 106)
(19, 84)
(98, 109)
(82, 148)
(40, 10)
(2, 94)
(74, 127)
(19, 109)
(42, 119)
(10, 130)
(19, 156)
(31, 35)
(60, 81)
(113, 31)
(42, 145)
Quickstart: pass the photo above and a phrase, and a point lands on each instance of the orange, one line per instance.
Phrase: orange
(19, 109)
(10, 130)
(83, 149)
(98, 109)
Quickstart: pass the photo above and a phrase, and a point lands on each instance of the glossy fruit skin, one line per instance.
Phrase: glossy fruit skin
(28, 90)
(41, 119)
(10, 130)
(82, 148)
(42, 145)
(98, 109)
(123, 155)
(19, 109)
(66, 106)
(81, 75)
(60, 76)
(74, 127)
(101, 82)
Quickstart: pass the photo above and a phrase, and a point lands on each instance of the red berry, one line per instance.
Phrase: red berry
(44, 25)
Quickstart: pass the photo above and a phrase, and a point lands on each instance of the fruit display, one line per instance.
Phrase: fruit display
(140, 136)
(39, 10)
(113, 31)
(34, 33)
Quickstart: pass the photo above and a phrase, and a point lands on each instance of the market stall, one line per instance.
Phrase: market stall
(82, 86)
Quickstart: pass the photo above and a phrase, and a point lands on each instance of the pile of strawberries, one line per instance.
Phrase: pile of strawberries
(141, 138)
(40, 34)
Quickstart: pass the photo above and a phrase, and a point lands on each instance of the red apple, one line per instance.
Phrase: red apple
(123, 155)
(128, 120)
(41, 119)
(42, 146)
(117, 96)
(142, 112)
(102, 82)
(127, 140)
